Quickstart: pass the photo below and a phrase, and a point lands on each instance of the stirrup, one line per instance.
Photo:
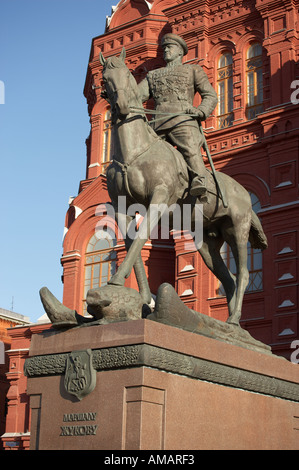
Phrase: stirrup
(198, 188)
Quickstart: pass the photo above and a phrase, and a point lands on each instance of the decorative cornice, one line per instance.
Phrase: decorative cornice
(71, 256)
(144, 355)
(269, 6)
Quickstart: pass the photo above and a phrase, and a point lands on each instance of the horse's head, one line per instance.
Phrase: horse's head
(117, 81)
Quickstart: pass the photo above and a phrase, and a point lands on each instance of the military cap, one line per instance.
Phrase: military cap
(170, 38)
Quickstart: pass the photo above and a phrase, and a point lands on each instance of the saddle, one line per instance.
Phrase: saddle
(211, 183)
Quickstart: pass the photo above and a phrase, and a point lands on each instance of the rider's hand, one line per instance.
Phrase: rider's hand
(195, 111)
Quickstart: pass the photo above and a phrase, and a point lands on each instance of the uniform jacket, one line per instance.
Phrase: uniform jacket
(173, 89)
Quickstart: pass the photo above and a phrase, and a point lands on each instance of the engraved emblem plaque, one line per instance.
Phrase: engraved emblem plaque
(80, 375)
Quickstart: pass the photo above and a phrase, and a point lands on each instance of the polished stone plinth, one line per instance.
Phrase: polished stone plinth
(157, 387)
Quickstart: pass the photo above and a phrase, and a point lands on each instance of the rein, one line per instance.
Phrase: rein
(124, 167)
(205, 145)
(160, 113)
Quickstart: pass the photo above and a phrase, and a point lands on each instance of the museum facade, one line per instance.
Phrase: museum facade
(249, 51)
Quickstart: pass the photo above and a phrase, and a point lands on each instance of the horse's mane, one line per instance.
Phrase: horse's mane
(114, 63)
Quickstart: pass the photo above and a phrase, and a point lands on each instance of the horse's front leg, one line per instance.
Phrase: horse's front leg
(123, 221)
(151, 219)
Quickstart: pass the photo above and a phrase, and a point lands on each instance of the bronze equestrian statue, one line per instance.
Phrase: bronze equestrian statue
(147, 169)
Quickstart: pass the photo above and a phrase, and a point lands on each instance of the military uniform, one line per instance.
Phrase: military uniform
(173, 89)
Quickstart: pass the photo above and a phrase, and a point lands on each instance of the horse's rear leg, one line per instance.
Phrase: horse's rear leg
(210, 252)
(240, 254)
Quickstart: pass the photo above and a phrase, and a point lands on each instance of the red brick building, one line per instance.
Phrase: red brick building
(8, 319)
(249, 50)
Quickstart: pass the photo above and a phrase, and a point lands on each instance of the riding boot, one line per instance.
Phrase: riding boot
(198, 183)
(198, 186)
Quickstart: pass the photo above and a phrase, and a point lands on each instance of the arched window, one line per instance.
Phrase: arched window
(100, 262)
(225, 90)
(254, 259)
(106, 146)
(254, 78)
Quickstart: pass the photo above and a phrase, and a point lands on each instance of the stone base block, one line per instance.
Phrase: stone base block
(156, 387)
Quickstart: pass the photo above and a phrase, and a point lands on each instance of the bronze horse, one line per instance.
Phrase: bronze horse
(149, 171)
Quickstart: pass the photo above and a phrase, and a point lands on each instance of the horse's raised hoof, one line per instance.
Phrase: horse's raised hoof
(59, 315)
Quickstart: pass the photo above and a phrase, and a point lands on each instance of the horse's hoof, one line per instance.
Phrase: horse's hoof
(116, 280)
(233, 321)
(59, 315)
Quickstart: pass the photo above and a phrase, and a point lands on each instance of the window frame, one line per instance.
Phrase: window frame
(254, 75)
(225, 79)
(106, 150)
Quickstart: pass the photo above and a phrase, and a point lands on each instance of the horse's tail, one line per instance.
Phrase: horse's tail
(257, 235)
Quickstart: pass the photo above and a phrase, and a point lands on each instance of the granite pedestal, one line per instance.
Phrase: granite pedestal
(157, 387)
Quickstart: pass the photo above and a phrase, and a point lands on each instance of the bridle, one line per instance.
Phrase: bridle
(114, 91)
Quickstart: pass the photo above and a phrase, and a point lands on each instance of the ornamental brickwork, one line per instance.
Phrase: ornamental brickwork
(249, 51)
(256, 142)
(8, 320)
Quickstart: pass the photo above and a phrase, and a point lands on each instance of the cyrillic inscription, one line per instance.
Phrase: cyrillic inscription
(79, 417)
(79, 430)
(85, 430)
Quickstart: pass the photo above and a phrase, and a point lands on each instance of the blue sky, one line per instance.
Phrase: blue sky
(44, 51)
